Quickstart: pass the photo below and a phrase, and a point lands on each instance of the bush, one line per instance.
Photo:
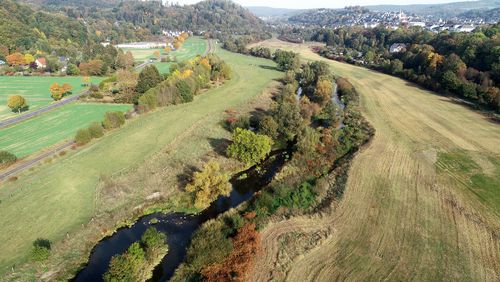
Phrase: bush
(113, 120)
(40, 250)
(241, 122)
(148, 100)
(7, 158)
(83, 136)
(96, 130)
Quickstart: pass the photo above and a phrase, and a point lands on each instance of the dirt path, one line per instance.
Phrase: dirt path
(402, 218)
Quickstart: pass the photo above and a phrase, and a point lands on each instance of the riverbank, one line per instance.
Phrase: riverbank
(133, 178)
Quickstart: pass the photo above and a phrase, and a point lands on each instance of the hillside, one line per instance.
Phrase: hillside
(23, 27)
(137, 20)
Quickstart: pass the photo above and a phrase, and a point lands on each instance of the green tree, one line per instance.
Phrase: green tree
(184, 91)
(287, 116)
(249, 147)
(148, 78)
(269, 127)
(450, 81)
(72, 69)
(17, 103)
(208, 184)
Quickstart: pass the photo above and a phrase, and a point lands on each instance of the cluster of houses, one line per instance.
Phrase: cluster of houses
(40, 64)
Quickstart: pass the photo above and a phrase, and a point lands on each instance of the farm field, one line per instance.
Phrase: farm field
(57, 198)
(35, 89)
(422, 200)
(35, 134)
(192, 47)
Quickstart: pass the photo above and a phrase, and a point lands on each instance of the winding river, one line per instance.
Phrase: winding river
(180, 227)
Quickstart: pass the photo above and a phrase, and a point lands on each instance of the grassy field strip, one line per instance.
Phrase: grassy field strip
(422, 201)
(192, 47)
(58, 197)
(33, 135)
(35, 89)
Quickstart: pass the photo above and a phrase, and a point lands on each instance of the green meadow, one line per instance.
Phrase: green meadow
(35, 134)
(35, 89)
(192, 47)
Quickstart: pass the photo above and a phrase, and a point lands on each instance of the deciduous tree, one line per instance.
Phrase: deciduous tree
(249, 147)
(208, 184)
(17, 103)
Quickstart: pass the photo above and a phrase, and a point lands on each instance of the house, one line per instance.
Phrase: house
(41, 63)
(397, 48)
(466, 28)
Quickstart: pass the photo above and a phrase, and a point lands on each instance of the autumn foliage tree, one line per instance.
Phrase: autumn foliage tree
(58, 91)
(15, 59)
(208, 184)
(249, 147)
(17, 103)
(324, 89)
(246, 245)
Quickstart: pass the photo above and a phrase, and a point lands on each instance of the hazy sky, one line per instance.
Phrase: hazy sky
(301, 4)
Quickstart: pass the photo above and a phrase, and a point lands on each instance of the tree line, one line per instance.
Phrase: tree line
(463, 64)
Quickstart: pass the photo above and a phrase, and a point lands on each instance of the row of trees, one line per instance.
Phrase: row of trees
(465, 64)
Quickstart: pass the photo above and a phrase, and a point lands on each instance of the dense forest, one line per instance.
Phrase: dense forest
(136, 20)
(465, 64)
(22, 27)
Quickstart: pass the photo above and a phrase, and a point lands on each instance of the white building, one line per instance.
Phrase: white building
(143, 45)
(397, 48)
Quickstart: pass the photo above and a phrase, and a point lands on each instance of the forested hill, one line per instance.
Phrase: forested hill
(136, 20)
(23, 27)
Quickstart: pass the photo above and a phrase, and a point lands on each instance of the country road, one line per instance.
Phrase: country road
(70, 99)
(32, 162)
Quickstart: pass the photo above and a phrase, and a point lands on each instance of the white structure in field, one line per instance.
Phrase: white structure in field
(143, 45)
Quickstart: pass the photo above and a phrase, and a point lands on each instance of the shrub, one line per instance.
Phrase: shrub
(40, 250)
(83, 136)
(7, 158)
(148, 100)
(240, 122)
(96, 130)
(249, 147)
(184, 91)
(113, 120)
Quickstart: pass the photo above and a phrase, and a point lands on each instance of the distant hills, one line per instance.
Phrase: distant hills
(437, 10)
(269, 12)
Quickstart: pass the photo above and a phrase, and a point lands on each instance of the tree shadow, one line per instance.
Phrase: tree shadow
(269, 67)
(185, 176)
(219, 145)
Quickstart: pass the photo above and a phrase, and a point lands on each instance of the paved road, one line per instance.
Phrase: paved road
(30, 163)
(70, 99)
(40, 111)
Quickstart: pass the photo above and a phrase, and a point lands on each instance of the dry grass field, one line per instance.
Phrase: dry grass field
(422, 201)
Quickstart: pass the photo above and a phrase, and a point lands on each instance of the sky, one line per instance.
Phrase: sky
(303, 4)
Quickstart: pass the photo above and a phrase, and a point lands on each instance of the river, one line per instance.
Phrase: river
(179, 227)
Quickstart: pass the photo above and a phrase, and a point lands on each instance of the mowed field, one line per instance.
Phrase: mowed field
(422, 201)
(59, 197)
(192, 47)
(35, 89)
(35, 134)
